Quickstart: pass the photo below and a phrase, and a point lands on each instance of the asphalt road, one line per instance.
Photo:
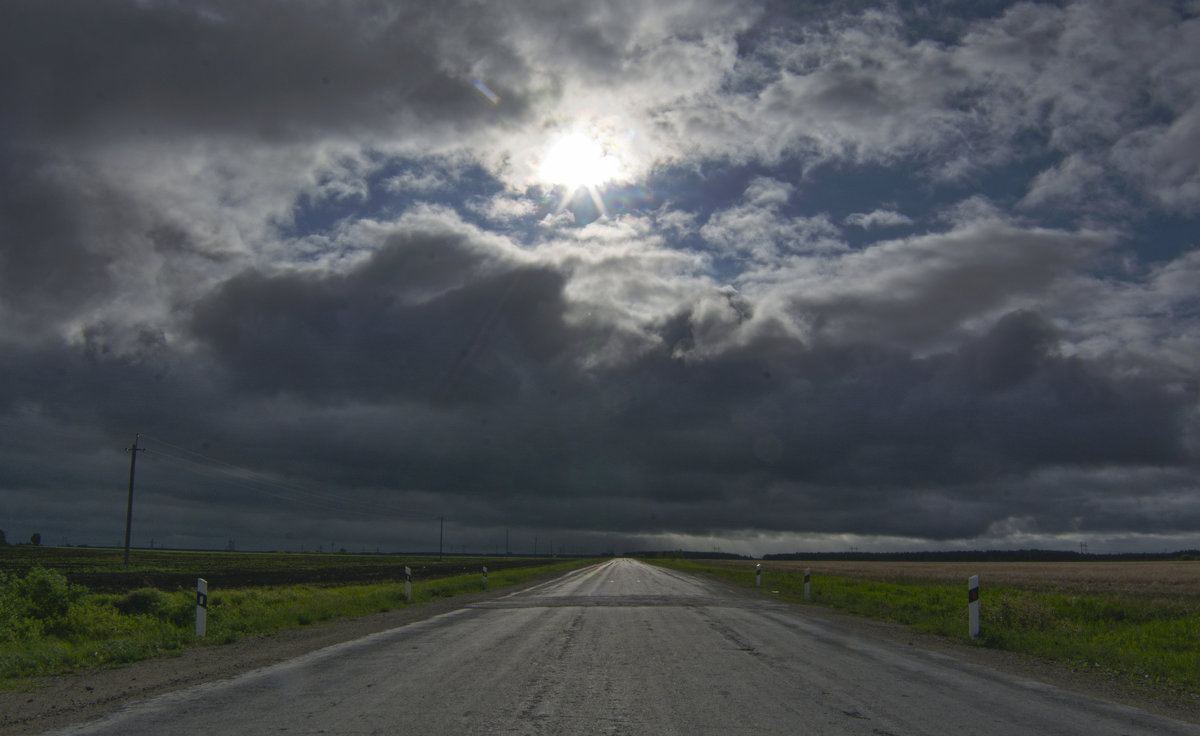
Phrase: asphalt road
(626, 648)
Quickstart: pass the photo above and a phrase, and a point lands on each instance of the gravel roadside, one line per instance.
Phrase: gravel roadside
(52, 702)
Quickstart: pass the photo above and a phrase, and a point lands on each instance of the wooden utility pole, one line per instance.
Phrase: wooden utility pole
(133, 451)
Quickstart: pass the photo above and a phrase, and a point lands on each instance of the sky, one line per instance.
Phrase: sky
(755, 277)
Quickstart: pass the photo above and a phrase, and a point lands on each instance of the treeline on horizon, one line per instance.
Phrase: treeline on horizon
(998, 555)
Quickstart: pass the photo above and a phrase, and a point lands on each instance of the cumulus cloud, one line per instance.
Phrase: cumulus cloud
(1162, 159)
(1073, 182)
(758, 229)
(922, 290)
(877, 218)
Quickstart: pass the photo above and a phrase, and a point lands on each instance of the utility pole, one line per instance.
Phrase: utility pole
(133, 451)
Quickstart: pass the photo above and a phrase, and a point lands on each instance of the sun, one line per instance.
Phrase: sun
(578, 161)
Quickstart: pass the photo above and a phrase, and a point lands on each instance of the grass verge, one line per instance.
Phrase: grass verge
(49, 626)
(1145, 639)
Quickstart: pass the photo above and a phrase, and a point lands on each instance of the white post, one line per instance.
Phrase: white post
(485, 577)
(758, 575)
(973, 605)
(408, 583)
(807, 577)
(201, 607)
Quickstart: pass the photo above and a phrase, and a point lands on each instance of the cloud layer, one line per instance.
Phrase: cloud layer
(876, 277)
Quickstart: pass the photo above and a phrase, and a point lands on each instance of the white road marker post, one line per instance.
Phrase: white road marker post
(485, 577)
(973, 605)
(408, 584)
(758, 574)
(201, 607)
(807, 588)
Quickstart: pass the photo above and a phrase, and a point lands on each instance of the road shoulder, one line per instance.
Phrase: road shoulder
(54, 702)
(1180, 706)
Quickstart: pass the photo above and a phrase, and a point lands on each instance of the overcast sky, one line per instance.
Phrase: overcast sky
(750, 276)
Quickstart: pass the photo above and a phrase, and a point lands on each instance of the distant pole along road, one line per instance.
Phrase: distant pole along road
(626, 648)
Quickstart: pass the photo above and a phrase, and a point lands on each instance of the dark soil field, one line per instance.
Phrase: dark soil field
(103, 571)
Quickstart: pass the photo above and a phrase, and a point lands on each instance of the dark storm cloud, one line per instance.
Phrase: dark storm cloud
(420, 319)
(42, 222)
(272, 70)
(78, 78)
(1001, 404)
(437, 320)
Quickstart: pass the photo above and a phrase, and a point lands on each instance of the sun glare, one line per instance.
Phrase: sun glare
(577, 161)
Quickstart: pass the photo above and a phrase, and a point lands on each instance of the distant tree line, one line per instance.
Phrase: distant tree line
(995, 555)
(687, 554)
(1002, 555)
(35, 540)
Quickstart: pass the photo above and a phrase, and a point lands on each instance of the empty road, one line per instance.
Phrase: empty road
(626, 648)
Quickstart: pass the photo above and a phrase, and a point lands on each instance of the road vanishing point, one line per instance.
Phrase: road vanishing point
(627, 648)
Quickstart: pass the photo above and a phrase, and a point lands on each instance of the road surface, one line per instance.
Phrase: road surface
(626, 648)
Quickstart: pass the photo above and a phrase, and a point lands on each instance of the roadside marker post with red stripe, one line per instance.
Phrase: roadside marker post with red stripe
(807, 588)
(408, 583)
(973, 605)
(201, 607)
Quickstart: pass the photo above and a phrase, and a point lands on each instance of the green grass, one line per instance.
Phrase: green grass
(1147, 639)
(50, 626)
